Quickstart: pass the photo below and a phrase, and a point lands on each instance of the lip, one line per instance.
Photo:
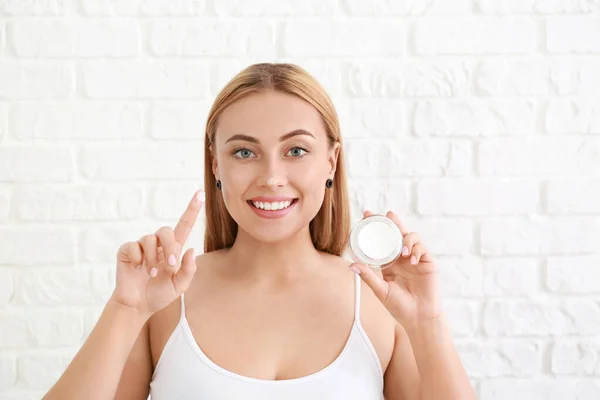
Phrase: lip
(272, 214)
(271, 199)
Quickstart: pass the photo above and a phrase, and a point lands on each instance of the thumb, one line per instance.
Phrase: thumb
(377, 285)
(183, 277)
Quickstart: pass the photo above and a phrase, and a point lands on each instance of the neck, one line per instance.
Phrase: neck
(280, 261)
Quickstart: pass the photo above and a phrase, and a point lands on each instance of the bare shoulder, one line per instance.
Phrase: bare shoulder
(162, 324)
(377, 322)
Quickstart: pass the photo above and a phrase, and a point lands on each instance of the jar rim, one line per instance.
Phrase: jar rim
(357, 252)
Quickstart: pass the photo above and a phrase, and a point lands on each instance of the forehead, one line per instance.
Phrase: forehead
(269, 115)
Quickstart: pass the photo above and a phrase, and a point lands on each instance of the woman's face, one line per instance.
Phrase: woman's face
(272, 157)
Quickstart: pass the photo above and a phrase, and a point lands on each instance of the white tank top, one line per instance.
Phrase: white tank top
(183, 371)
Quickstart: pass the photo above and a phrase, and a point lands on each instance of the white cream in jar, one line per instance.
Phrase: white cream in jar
(375, 241)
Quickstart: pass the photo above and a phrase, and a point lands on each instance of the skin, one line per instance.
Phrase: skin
(272, 296)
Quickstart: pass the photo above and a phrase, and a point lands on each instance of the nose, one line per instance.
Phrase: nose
(273, 176)
(275, 181)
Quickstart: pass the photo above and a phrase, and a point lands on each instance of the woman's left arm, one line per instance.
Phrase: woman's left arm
(409, 290)
(402, 380)
(442, 373)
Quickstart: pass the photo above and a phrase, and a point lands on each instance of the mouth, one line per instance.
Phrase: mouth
(272, 205)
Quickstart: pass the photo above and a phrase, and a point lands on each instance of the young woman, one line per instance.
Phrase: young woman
(271, 310)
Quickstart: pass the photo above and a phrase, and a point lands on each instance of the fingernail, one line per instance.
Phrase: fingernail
(355, 270)
(172, 260)
(201, 197)
(405, 251)
(153, 272)
(413, 260)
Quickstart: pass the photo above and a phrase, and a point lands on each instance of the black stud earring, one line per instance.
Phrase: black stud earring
(219, 185)
(329, 183)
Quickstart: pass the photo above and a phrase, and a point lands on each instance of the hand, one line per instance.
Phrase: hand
(409, 290)
(149, 274)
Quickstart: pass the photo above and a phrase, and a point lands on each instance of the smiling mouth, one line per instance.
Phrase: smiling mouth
(272, 206)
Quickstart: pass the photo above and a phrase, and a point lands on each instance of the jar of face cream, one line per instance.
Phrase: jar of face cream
(375, 241)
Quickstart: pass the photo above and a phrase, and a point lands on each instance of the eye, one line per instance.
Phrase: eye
(243, 153)
(297, 152)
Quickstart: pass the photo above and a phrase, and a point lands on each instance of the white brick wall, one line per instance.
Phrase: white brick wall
(477, 120)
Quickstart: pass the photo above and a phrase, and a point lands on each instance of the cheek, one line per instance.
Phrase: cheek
(233, 173)
(311, 183)
(311, 173)
(235, 180)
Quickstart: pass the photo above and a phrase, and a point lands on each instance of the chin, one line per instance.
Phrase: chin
(270, 229)
(272, 234)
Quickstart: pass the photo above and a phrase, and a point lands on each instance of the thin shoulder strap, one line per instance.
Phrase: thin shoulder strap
(182, 317)
(357, 298)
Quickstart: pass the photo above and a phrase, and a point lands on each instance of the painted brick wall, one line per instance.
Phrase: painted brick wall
(476, 120)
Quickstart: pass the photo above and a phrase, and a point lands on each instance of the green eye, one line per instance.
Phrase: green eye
(243, 153)
(297, 152)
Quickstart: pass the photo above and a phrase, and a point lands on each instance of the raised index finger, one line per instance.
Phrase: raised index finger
(188, 219)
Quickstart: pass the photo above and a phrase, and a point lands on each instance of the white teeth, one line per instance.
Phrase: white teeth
(278, 205)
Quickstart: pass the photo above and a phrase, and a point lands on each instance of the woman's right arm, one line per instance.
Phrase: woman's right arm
(97, 369)
(115, 359)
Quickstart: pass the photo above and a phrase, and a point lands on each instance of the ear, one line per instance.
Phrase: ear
(334, 152)
(214, 161)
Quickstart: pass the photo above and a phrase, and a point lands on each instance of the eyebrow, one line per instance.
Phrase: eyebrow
(288, 135)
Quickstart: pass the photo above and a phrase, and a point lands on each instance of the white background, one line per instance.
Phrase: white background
(476, 120)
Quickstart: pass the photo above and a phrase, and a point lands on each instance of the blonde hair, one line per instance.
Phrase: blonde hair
(330, 228)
